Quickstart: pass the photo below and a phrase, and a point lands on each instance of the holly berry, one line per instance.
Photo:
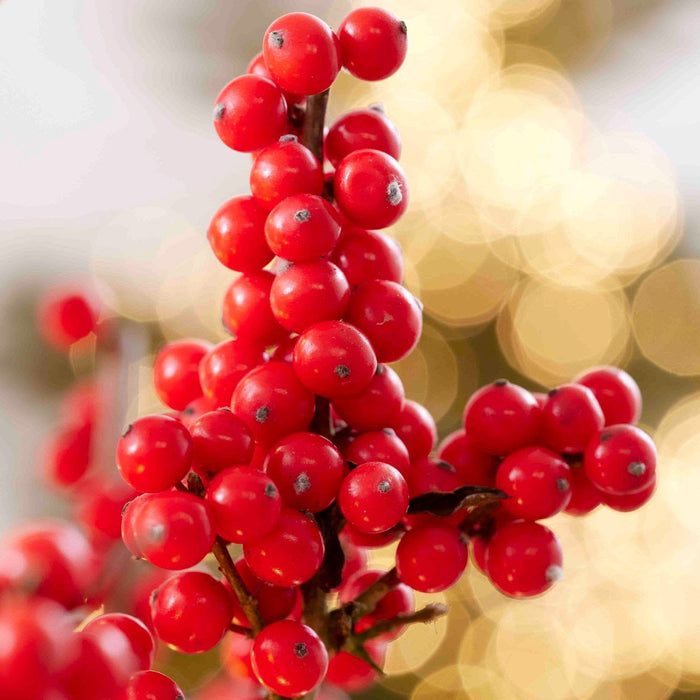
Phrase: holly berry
(432, 475)
(616, 392)
(367, 255)
(65, 316)
(100, 505)
(621, 460)
(154, 453)
(473, 466)
(66, 455)
(151, 685)
(127, 632)
(379, 446)
(524, 559)
(416, 428)
(301, 53)
(570, 417)
(176, 372)
(351, 673)
(289, 658)
(220, 440)
(629, 501)
(585, 497)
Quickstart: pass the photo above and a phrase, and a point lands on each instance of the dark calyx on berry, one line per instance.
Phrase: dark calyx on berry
(262, 414)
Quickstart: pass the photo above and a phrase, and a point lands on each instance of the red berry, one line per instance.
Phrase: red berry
(570, 418)
(373, 497)
(289, 555)
(176, 372)
(629, 501)
(416, 428)
(431, 559)
(377, 406)
(616, 392)
(373, 43)
(524, 559)
(371, 188)
(65, 316)
(334, 359)
(537, 482)
(621, 460)
(355, 557)
(302, 228)
(245, 504)
(502, 417)
(247, 313)
(154, 453)
(126, 632)
(585, 497)
(284, 352)
(257, 67)
(194, 410)
(151, 685)
(289, 658)
(100, 508)
(250, 113)
(427, 475)
(191, 611)
(362, 128)
(172, 530)
(221, 440)
(351, 673)
(473, 466)
(273, 403)
(234, 653)
(284, 169)
(66, 455)
(308, 293)
(301, 53)
(390, 317)
(237, 235)
(368, 255)
(371, 540)
(379, 446)
(308, 470)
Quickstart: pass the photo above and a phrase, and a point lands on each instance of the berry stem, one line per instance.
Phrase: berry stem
(321, 423)
(367, 601)
(429, 613)
(312, 133)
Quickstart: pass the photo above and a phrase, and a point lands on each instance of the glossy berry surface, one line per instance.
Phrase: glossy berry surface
(283, 169)
(570, 418)
(154, 453)
(431, 559)
(220, 440)
(308, 470)
(151, 685)
(250, 113)
(176, 372)
(301, 53)
(191, 611)
(585, 497)
(127, 632)
(66, 316)
(432, 475)
(236, 234)
(621, 460)
(371, 189)
(373, 497)
(333, 358)
(616, 392)
(354, 675)
(373, 43)
(273, 403)
(473, 466)
(537, 482)
(416, 428)
(289, 555)
(367, 255)
(289, 658)
(524, 559)
(244, 503)
(379, 446)
(502, 417)
(629, 501)
(362, 128)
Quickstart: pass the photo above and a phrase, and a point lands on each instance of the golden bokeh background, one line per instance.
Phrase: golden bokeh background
(540, 245)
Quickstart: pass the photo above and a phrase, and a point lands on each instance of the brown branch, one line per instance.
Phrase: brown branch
(322, 422)
(367, 601)
(429, 613)
(312, 133)
(239, 629)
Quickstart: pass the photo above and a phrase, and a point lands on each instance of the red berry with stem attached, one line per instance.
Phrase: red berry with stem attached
(432, 558)
(333, 358)
(151, 685)
(273, 403)
(308, 293)
(371, 189)
(289, 555)
(237, 235)
(416, 428)
(247, 313)
(620, 460)
(172, 530)
(373, 43)
(191, 611)
(428, 475)
(616, 392)
(301, 53)
(283, 169)
(502, 417)
(377, 406)
(379, 446)
(117, 629)
(250, 113)
(308, 470)
(570, 418)
(367, 255)
(244, 503)
(302, 228)
(176, 372)
(289, 658)
(629, 501)
(389, 315)
(221, 440)
(585, 497)
(66, 455)
(65, 316)
(537, 482)
(473, 466)
(524, 559)
(362, 128)
(373, 497)
(154, 453)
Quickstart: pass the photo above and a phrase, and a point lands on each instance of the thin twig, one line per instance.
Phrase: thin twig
(367, 601)
(312, 133)
(429, 613)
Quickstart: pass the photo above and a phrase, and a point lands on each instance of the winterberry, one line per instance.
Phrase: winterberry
(117, 629)
(379, 446)
(176, 372)
(66, 455)
(65, 316)
(616, 392)
(353, 674)
(416, 428)
(220, 440)
(585, 497)
(429, 475)
(629, 501)
(473, 466)
(151, 685)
